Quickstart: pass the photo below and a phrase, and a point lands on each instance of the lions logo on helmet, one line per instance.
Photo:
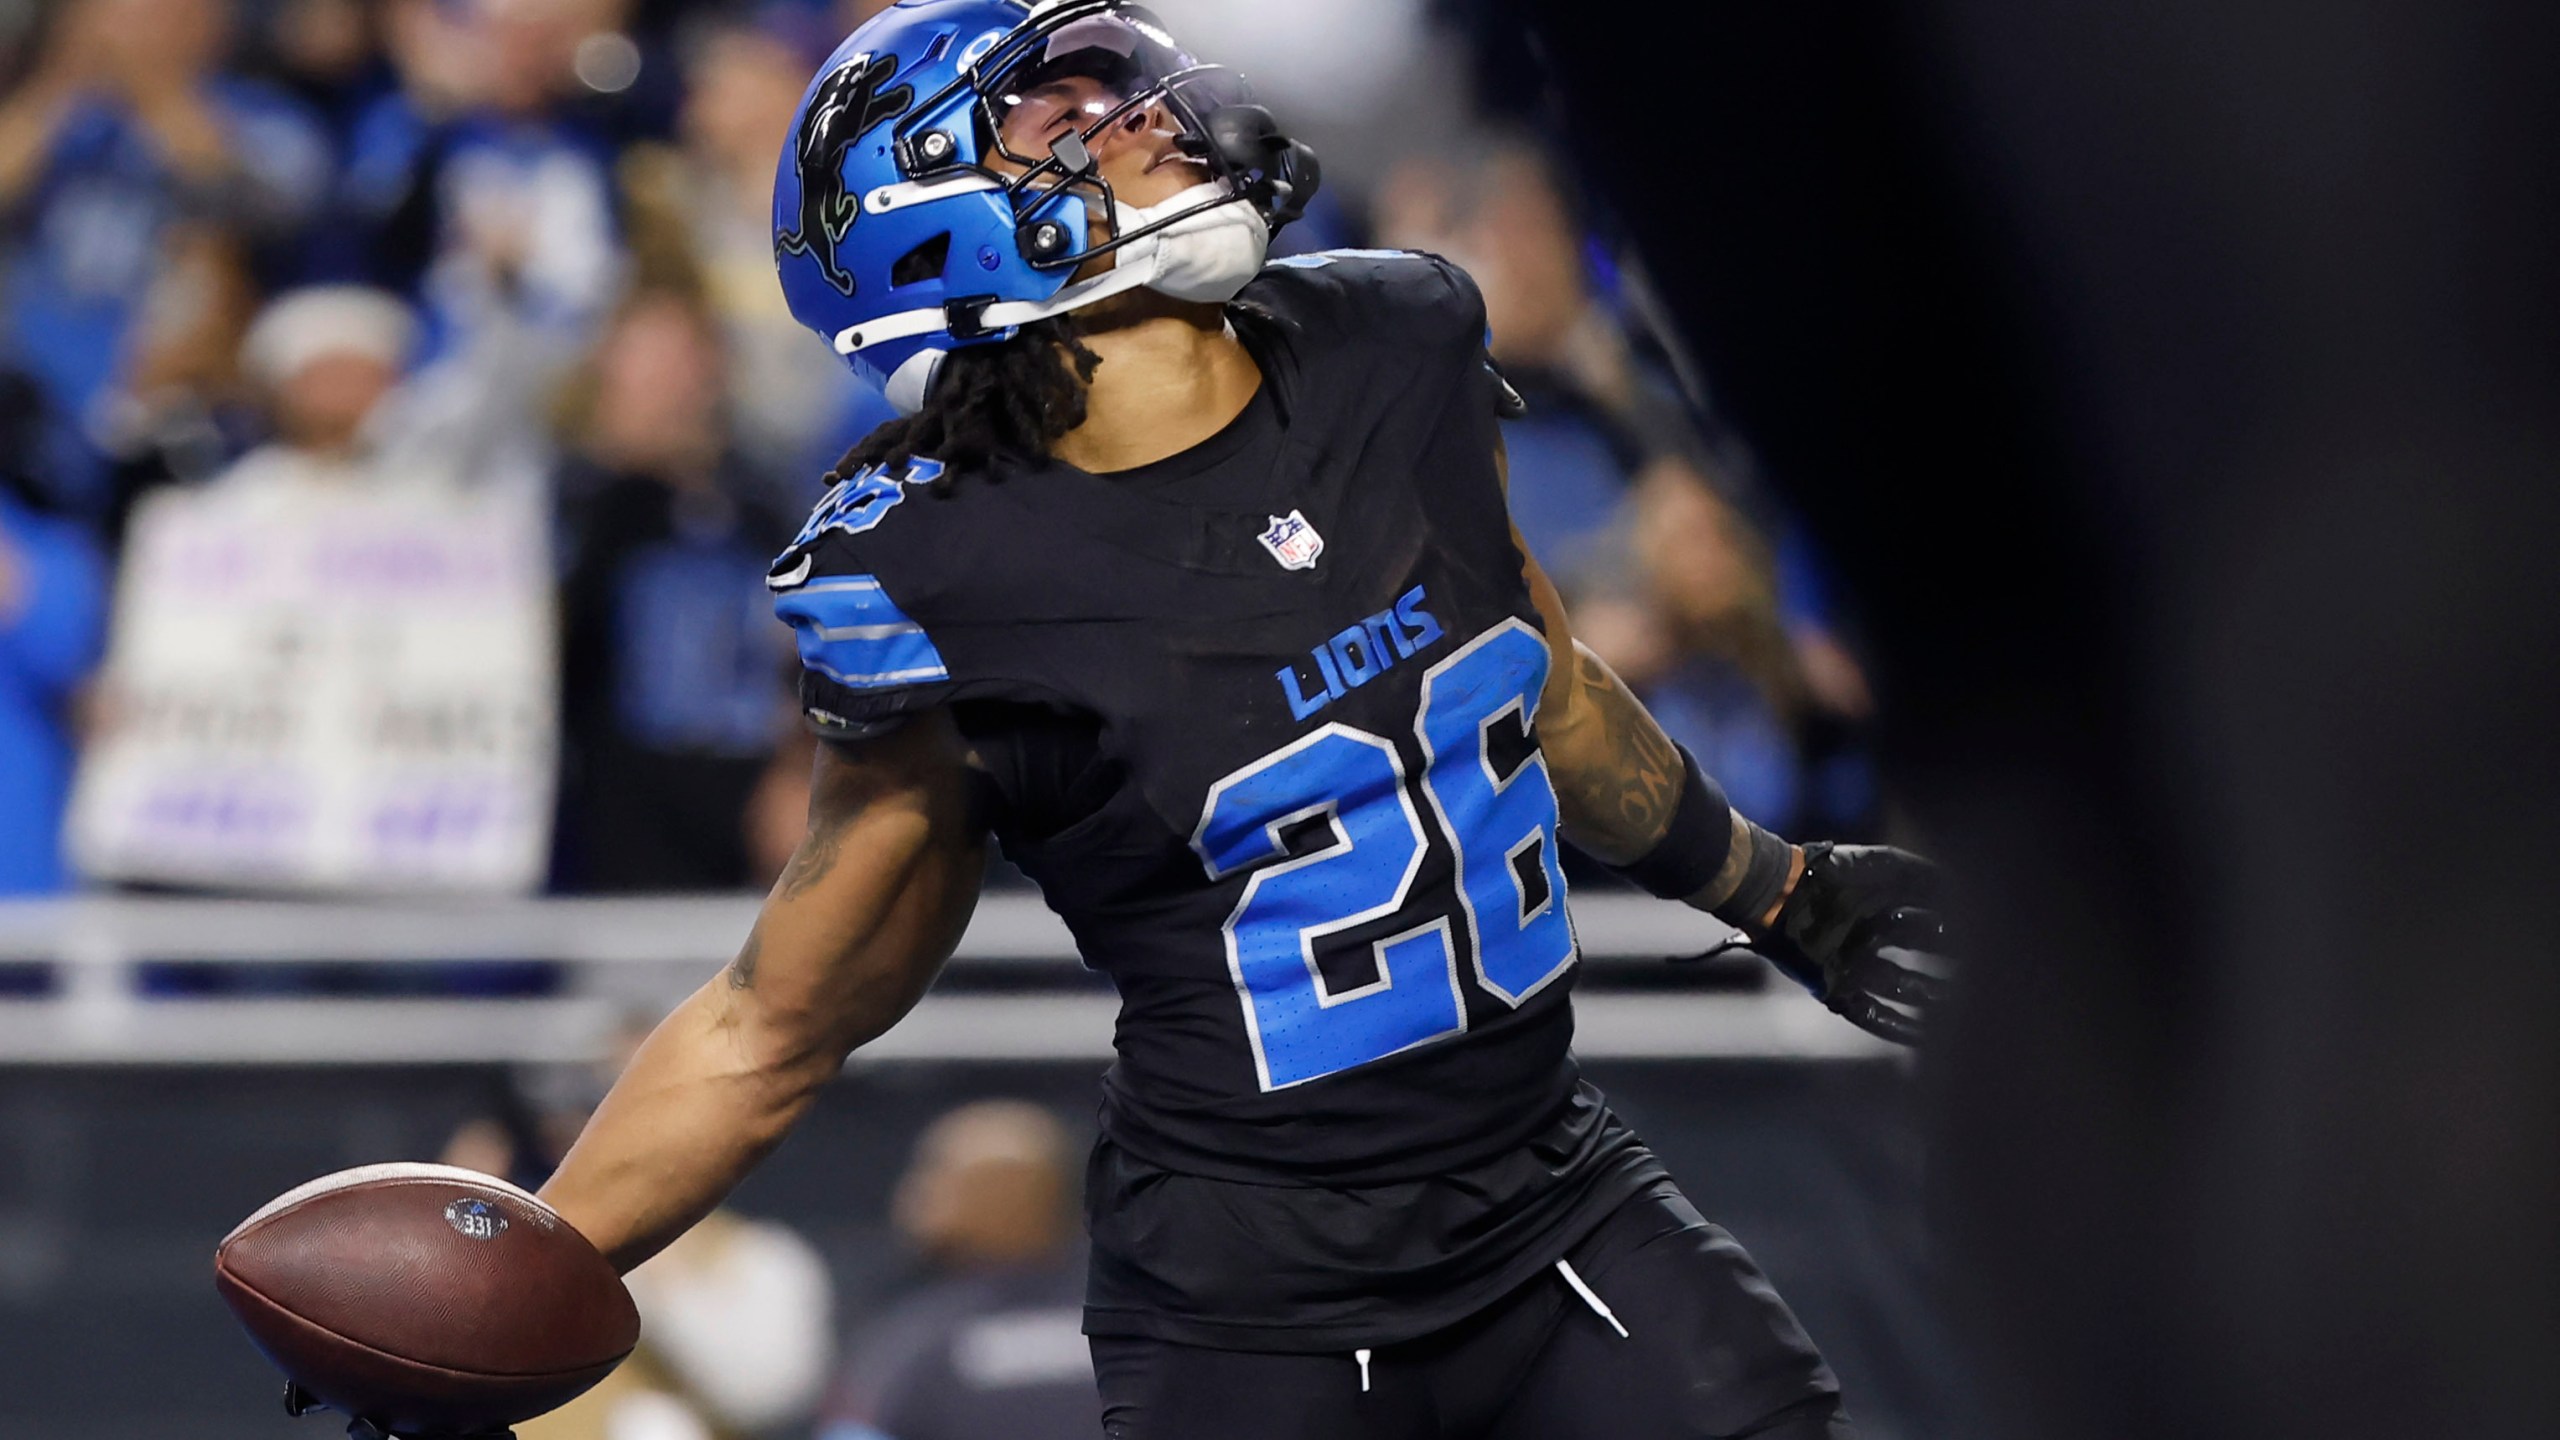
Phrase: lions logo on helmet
(847, 105)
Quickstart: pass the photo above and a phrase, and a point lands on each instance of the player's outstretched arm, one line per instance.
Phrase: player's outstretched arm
(864, 915)
(1619, 779)
(1633, 800)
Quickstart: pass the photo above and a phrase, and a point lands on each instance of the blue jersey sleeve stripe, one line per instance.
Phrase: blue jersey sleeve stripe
(840, 603)
(877, 680)
(869, 664)
(851, 632)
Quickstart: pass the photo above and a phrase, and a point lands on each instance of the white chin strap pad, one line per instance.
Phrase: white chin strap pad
(1207, 259)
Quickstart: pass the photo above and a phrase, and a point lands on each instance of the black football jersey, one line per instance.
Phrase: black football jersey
(1259, 721)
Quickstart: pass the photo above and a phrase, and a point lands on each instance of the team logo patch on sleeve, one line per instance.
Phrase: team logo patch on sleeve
(856, 505)
(1293, 542)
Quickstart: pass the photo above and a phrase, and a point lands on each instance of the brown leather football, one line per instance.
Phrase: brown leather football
(426, 1299)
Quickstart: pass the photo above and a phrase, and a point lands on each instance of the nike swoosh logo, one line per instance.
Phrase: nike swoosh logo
(794, 577)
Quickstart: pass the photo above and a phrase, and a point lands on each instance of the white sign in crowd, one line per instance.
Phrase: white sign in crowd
(319, 686)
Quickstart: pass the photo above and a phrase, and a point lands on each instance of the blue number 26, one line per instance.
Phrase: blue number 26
(1510, 894)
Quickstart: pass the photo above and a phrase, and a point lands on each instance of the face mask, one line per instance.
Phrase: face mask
(1207, 258)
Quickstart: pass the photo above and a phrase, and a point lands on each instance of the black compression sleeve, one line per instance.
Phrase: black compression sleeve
(1699, 843)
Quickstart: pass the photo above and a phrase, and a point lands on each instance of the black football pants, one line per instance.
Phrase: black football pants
(1709, 1351)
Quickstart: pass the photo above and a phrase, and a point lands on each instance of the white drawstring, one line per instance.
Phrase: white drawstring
(1565, 1268)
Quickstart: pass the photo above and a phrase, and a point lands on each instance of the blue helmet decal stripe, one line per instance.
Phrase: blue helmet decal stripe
(851, 632)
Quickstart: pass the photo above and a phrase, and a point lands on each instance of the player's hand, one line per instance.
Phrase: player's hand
(1852, 904)
(299, 1402)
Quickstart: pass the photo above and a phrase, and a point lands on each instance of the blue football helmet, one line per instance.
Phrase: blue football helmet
(895, 237)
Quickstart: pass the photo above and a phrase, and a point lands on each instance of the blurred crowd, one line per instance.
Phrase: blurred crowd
(347, 270)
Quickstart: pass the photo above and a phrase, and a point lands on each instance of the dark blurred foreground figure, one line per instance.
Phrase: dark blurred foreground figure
(2218, 622)
(993, 1348)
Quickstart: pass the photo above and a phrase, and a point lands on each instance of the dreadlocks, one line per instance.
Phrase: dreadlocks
(1016, 399)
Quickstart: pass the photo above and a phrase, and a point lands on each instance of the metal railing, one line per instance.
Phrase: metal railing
(622, 958)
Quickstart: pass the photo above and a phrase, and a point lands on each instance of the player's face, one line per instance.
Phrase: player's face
(1137, 154)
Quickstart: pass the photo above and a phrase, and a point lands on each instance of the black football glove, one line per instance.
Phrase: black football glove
(1852, 902)
(299, 1402)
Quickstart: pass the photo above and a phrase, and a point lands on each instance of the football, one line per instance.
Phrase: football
(426, 1300)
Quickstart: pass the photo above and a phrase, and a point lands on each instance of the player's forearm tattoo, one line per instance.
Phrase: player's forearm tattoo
(816, 857)
(1618, 802)
(838, 795)
(742, 971)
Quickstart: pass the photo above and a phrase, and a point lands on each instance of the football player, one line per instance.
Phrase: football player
(1188, 579)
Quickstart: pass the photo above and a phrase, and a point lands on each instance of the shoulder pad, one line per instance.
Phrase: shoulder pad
(1399, 296)
(865, 655)
(851, 632)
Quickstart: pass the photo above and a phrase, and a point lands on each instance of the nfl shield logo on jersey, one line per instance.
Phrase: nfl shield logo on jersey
(1293, 542)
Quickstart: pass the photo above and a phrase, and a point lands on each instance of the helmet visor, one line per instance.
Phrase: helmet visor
(1057, 84)
(1089, 72)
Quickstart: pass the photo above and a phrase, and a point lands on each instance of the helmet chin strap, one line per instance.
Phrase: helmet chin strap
(907, 388)
(1206, 259)
(1003, 315)
(1207, 251)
